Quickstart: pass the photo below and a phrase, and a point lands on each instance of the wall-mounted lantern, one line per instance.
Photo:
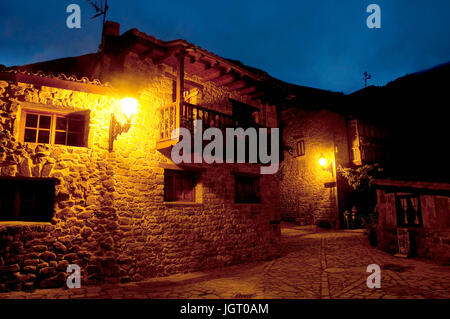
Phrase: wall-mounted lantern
(129, 108)
(325, 164)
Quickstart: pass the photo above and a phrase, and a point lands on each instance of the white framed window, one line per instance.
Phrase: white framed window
(46, 127)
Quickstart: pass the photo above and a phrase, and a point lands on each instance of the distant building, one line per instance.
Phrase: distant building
(320, 134)
(401, 126)
(420, 210)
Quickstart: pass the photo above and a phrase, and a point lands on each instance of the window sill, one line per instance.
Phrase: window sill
(32, 144)
(183, 203)
(18, 224)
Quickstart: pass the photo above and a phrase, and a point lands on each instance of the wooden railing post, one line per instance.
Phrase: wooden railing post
(180, 88)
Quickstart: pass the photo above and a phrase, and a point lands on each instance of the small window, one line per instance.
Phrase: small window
(52, 128)
(247, 189)
(409, 212)
(356, 156)
(179, 186)
(300, 149)
(26, 199)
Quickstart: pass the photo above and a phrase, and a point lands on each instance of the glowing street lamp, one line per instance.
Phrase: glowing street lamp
(327, 166)
(128, 108)
(323, 162)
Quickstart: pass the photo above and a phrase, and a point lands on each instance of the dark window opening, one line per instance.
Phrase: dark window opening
(26, 199)
(247, 189)
(37, 128)
(244, 115)
(409, 212)
(300, 149)
(179, 186)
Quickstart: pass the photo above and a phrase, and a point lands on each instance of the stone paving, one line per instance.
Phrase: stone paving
(314, 264)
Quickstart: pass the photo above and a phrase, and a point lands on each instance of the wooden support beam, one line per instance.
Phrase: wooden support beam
(211, 74)
(195, 59)
(236, 85)
(209, 69)
(224, 79)
(257, 94)
(247, 90)
(187, 83)
(169, 54)
(163, 59)
(146, 53)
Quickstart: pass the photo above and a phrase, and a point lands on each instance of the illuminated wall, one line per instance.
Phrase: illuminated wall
(309, 191)
(110, 216)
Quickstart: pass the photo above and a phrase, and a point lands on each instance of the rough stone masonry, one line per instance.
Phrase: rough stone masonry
(110, 217)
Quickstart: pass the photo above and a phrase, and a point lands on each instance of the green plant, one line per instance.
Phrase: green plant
(363, 196)
(359, 178)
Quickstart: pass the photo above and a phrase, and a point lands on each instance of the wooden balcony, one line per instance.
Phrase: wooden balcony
(182, 114)
(172, 117)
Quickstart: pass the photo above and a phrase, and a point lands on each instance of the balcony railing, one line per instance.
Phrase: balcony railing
(170, 119)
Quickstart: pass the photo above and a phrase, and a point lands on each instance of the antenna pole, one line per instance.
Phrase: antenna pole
(100, 11)
(104, 12)
(367, 76)
(104, 17)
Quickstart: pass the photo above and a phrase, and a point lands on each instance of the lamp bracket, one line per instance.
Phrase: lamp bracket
(115, 129)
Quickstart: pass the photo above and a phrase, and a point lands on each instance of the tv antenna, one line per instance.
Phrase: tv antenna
(101, 8)
(367, 76)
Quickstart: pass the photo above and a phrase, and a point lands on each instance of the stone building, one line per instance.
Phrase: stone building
(401, 126)
(321, 133)
(86, 175)
(318, 140)
(83, 182)
(421, 210)
(312, 132)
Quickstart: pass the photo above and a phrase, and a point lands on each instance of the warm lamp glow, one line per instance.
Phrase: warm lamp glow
(323, 162)
(129, 106)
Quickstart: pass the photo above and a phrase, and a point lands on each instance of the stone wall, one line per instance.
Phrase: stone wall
(305, 200)
(432, 239)
(110, 217)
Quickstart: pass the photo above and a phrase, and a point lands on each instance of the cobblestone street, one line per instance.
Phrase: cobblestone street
(313, 264)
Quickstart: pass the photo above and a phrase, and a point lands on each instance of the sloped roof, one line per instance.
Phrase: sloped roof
(60, 80)
(413, 186)
(229, 73)
(83, 66)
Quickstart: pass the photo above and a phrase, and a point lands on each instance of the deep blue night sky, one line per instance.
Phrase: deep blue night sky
(324, 44)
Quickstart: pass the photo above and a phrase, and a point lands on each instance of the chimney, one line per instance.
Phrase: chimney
(110, 28)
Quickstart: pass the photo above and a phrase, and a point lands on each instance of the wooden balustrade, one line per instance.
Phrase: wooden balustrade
(187, 115)
(210, 118)
(168, 121)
